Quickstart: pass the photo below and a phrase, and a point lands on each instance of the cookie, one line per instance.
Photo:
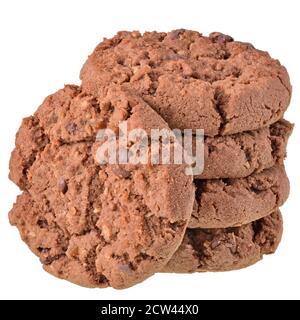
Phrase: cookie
(242, 154)
(213, 83)
(223, 203)
(95, 225)
(227, 249)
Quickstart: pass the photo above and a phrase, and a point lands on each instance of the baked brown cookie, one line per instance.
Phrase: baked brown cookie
(223, 203)
(95, 225)
(227, 249)
(242, 154)
(213, 83)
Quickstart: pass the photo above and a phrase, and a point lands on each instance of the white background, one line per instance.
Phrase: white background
(43, 45)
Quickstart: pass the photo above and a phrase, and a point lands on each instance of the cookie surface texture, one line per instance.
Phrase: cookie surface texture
(212, 83)
(95, 225)
(227, 249)
(222, 203)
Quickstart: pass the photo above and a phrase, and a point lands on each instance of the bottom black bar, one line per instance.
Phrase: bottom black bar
(131, 309)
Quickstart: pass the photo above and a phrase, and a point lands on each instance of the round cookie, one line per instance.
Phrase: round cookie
(95, 225)
(223, 203)
(242, 154)
(194, 82)
(227, 249)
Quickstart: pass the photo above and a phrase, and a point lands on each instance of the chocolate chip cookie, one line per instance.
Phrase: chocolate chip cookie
(94, 224)
(242, 154)
(223, 203)
(227, 249)
(100, 224)
(213, 83)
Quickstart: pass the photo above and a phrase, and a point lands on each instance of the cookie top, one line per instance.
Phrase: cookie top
(194, 82)
(227, 249)
(96, 225)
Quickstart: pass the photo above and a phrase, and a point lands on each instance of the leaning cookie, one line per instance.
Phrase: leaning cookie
(223, 203)
(242, 154)
(213, 83)
(227, 249)
(95, 225)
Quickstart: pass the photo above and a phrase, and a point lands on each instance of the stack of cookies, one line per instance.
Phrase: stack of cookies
(100, 225)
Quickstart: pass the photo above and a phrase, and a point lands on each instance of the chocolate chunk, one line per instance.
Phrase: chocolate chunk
(62, 185)
(72, 127)
(220, 37)
(50, 259)
(120, 172)
(176, 33)
(42, 223)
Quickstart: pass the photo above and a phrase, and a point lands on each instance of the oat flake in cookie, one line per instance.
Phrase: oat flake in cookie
(95, 225)
(213, 83)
